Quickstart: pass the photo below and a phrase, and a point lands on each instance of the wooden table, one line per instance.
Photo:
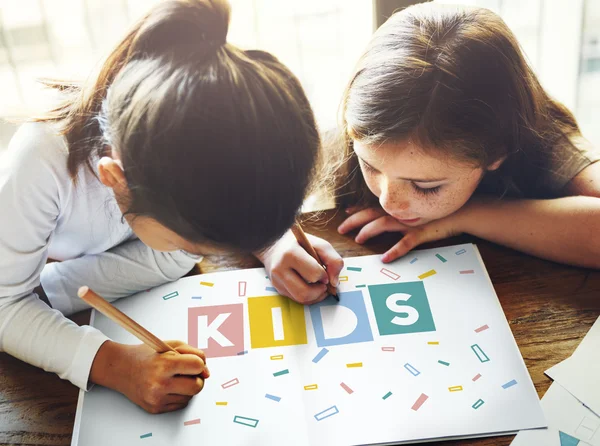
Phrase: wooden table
(550, 308)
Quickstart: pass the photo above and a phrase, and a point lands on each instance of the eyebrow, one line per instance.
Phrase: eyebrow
(415, 180)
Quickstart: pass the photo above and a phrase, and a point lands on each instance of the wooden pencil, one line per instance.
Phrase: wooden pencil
(123, 320)
(305, 243)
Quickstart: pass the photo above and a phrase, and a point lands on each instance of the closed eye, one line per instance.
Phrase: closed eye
(426, 190)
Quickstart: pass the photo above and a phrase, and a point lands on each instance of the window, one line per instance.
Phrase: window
(320, 40)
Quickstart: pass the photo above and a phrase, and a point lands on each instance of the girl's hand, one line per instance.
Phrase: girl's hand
(157, 382)
(294, 273)
(375, 221)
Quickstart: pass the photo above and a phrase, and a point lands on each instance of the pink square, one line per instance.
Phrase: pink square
(221, 328)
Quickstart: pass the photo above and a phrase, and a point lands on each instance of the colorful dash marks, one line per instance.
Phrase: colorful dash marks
(480, 353)
(478, 404)
(208, 284)
(171, 295)
(191, 422)
(311, 387)
(455, 389)
(460, 252)
(245, 421)
(276, 357)
(348, 390)
(354, 365)
(241, 289)
(281, 372)
(390, 274)
(433, 343)
(354, 268)
(447, 364)
(360, 286)
(273, 397)
(413, 260)
(343, 278)
(411, 369)
(509, 384)
(467, 271)
(231, 383)
(419, 402)
(221, 403)
(476, 377)
(148, 435)
(245, 352)
(482, 328)
(320, 355)
(388, 349)
(427, 274)
(386, 396)
(329, 412)
(442, 259)
(271, 288)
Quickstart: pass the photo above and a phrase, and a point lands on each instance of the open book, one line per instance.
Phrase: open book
(415, 350)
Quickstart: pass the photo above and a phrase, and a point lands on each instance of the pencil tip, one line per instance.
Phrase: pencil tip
(82, 291)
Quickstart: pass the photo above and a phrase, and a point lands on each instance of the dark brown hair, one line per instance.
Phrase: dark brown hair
(453, 80)
(218, 144)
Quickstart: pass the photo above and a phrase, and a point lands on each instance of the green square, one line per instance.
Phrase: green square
(401, 308)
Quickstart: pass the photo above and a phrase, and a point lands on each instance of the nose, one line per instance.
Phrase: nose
(392, 198)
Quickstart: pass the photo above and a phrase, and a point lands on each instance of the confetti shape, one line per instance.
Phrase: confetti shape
(390, 274)
(245, 421)
(329, 412)
(231, 383)
(480, 353)
(509, 384)
(478, 404)
(419, 402)
(191, 422)
(427, 274)
(171, 295)
(346, 388)
(411, 369)
(320, 355)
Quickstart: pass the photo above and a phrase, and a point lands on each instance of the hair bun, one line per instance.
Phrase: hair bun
(212, 17)
(173, 24)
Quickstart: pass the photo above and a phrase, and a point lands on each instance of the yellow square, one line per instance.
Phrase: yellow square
(262, 327)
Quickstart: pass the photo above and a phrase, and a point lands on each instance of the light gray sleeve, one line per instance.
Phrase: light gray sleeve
(30, 186)
(123, 270)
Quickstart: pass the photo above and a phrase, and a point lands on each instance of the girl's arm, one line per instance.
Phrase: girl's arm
(121, 271)
(563, 229)
(31, 177)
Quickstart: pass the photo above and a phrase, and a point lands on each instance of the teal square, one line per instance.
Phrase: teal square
(401, 308)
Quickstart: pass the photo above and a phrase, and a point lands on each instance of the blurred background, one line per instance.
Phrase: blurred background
(320, 40)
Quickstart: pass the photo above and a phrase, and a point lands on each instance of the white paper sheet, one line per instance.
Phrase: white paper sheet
(415, 350)
(564, 413)
(580, 374)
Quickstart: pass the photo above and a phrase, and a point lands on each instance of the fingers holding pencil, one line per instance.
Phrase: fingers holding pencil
(159, 376)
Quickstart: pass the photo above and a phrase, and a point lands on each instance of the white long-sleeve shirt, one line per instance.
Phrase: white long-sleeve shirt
(43, 214)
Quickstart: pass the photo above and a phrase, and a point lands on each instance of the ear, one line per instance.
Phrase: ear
(496, 164)
(112, 175)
